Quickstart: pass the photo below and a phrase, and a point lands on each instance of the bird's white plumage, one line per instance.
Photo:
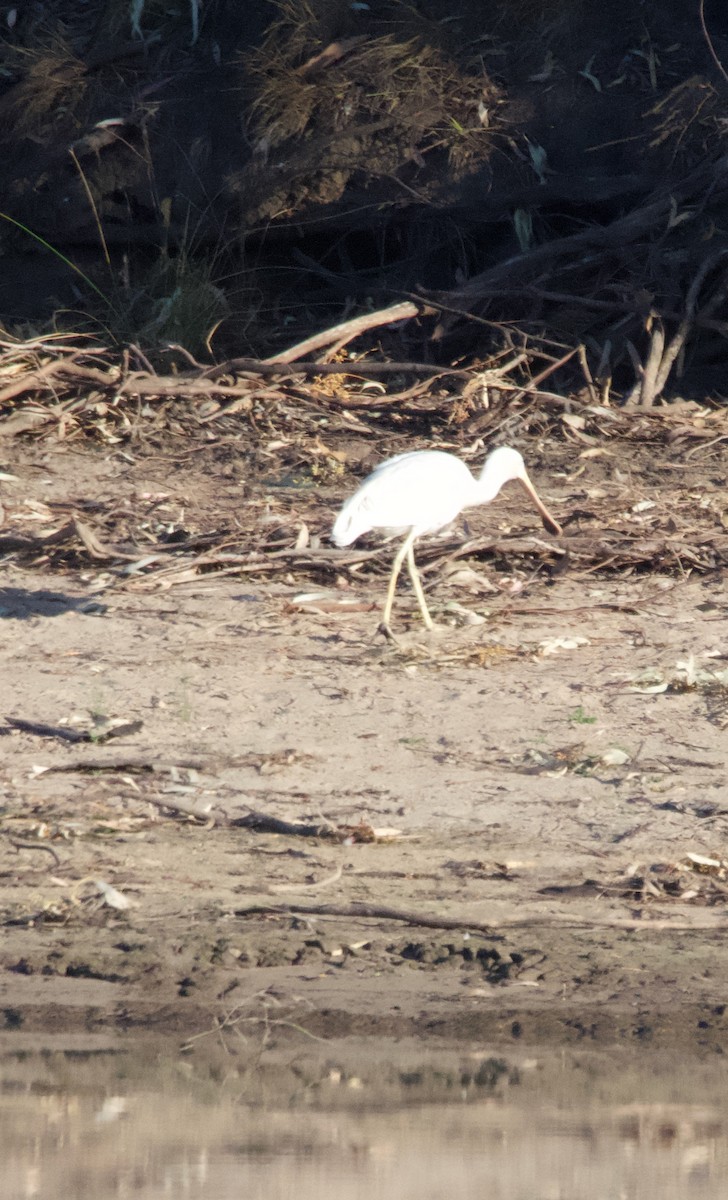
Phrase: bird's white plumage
(421, 492)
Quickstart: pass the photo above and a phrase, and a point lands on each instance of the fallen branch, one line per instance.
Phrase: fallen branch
(375, 911)
(360, 367)
(130, 766)
(524, 268)
(263, 823)
(491, 929)
(38, 729)
(345, 331)
(60, 733)
(653, 377)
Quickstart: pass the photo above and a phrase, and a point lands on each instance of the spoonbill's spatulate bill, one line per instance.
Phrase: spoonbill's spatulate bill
(421, 492)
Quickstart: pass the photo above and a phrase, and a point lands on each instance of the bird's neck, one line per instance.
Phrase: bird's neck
(486, 487)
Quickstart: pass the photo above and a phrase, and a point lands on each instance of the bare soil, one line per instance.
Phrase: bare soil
(533, 782)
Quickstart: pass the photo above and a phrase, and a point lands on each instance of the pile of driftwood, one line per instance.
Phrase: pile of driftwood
(528, 182)
(284, 404)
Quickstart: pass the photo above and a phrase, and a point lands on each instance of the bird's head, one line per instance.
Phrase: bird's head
(504, 464)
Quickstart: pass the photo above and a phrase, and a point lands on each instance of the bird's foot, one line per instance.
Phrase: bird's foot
(386, 632)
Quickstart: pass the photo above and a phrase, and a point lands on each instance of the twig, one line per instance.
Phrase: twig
(532, 385)
(650, 389)
(93, 205)
(346, 331)
(17, 845)
(706, 445)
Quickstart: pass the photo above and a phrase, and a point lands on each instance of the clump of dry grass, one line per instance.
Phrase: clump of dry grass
(692, 116)
(52, 86)
(175, 298)
(306, 85)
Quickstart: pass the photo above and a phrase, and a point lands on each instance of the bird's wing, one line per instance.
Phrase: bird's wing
(412, 460)
(419, 490)
(390, 462)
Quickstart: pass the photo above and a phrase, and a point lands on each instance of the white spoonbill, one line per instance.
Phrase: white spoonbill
(421, 492)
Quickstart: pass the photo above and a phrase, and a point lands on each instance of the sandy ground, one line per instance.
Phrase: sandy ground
(528, 783)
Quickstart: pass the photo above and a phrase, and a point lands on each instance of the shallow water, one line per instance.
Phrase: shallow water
(83, 1119)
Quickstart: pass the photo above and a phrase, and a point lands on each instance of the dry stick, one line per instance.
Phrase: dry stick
(603, 378)
(93, 206)
(135, 385)
(257, 821)
(178, 387)
(648, 383)
(653, 377)
(17, 845)
(549, 370)
(706, 445)
(92, 766)
(376, 911)
(34, 378)
(258, 366)
(61, 733)
(612, 306)
(492, 928)
(346, 330)
(677, 343)
(586, 371)
(49, 344)
(188, 808)
(280, 560)
(40, 729)
(636, 361)
(204, 383)
(263, 823)
(75, 370)
(660, 361)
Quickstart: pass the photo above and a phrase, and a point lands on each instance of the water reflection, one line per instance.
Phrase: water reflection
(356, 1122)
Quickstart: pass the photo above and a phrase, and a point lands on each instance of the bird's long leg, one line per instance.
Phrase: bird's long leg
(417, 585)
(396, 568)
